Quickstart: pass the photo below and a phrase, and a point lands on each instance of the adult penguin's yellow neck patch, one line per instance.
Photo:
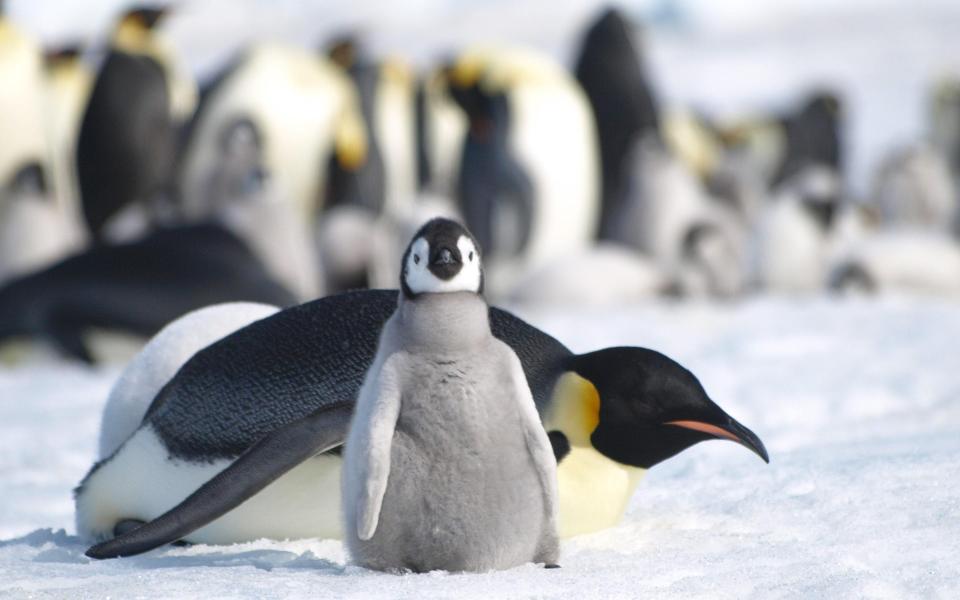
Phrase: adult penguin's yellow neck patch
(575, 409)
(594, 490)
(466, 71)
(350, 140)
(134, 37)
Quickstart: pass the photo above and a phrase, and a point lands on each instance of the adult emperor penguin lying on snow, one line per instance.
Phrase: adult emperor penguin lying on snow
(243, 442)
(447, 465)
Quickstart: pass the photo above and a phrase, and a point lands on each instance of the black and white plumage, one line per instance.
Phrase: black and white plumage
(530, 140)
(306, 111)
(260, 406)
(127, 140)
(624, 106)
(494, 191)
(652, 202)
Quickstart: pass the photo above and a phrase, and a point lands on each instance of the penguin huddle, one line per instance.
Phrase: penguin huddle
(253, 433)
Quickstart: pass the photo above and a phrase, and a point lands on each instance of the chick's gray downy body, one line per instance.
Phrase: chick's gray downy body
(446, 427)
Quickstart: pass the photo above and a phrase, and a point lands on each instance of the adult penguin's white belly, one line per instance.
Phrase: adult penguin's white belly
(142, 481)
(300, 103)
(69, 82)
(22, 134)
(395, 130)
(790, 249)
(34, 233)
(554, 139)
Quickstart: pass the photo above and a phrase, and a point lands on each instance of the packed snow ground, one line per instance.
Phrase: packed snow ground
(857, 401)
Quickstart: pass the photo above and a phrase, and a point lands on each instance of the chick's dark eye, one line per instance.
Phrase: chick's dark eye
(470, 257)
(416, 259)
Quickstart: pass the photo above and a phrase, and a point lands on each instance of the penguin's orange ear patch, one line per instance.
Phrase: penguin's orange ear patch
(706, 428)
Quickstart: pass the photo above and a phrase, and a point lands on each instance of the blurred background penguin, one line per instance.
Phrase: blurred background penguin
(309, 165)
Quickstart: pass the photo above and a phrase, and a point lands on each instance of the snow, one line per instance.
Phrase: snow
(856, 400)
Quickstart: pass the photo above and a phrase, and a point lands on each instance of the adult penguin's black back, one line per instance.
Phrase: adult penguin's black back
(136, 287)
(126, 145)
(277, 362)
(611, 73)
(813, 136)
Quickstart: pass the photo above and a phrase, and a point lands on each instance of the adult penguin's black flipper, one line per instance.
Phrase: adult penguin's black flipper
(254, 470)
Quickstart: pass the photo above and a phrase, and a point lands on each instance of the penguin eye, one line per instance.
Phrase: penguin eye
(416, 259)
(470, 257)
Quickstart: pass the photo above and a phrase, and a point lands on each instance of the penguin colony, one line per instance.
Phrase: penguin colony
(217, 218)
(313, 167)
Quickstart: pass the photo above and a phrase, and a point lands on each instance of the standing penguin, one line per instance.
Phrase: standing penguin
(495, 193)
(532, 142)
(69, 81)
(610, 71)
(651, 200)
(306, 111)
(793, 242)
(126, 145)
(447, 465)
(32, 226)
(21, 103)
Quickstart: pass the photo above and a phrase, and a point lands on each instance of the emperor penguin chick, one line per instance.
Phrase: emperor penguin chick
(446, 464)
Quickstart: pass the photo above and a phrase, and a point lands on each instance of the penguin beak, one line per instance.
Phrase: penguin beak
(444, 256)
(445, 263)
(730, 430)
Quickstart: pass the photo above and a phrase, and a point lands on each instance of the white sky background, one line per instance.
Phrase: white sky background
(724, 58)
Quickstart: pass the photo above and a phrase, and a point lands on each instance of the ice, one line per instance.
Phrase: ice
(857, 401)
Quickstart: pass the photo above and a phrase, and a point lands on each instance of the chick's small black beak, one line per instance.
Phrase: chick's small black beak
(445, 262)
(443, 256)
(729, 430)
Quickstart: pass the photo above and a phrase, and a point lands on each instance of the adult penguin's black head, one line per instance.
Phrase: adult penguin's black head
(814, 135)
(442, 257)
(637, 407)
(62, 54)
(148, 15)
(486, 108)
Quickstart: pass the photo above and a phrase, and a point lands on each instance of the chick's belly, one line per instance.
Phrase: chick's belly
(469, 493)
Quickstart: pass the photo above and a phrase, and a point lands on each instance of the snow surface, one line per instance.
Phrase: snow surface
(857, 401)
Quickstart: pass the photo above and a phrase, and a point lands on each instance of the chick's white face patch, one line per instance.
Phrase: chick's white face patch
(421, 280)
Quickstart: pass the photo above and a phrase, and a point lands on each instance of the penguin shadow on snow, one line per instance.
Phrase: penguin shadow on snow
(56, 546)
